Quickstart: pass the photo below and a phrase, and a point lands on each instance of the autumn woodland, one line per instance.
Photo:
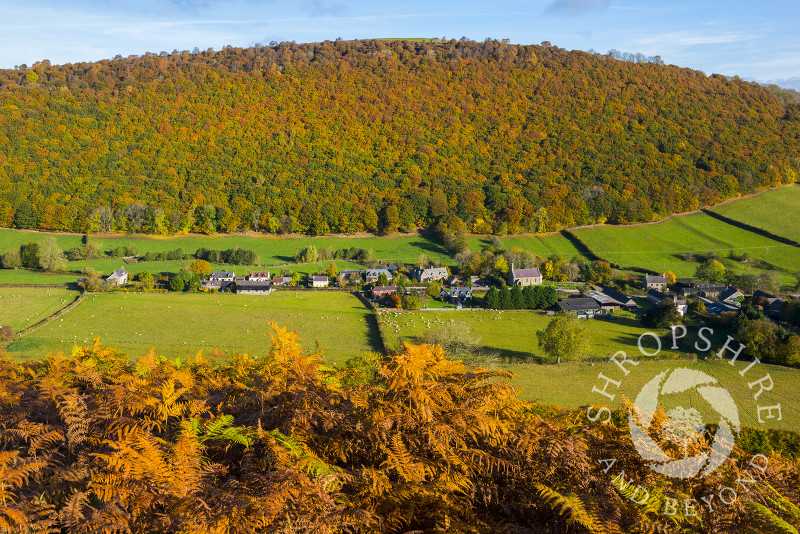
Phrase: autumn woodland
(380, 136)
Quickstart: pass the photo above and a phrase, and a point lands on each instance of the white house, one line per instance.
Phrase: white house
(319, 281)
(118, 278)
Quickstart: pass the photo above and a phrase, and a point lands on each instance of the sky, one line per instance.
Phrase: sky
(755, 40)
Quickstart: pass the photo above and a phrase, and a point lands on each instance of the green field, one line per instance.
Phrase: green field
(177, 324)
(776, 211)
(570, 385)
(513, 333)
(24, 276)
(544, 246)
(21, 307)
(660, 246)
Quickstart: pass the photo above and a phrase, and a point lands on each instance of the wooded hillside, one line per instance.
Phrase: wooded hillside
(378, 135)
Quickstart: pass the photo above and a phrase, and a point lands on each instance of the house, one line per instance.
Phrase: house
(210, 285)
(372, 275)
(731, 296)
(580, 306)
(624, 300)
(253, 287)
(222, 276)
(682, 305)
(429, 275)
(457, 294)
(524, 277)
(259, 276)
(456, 280)
(655, 282)
(281, 280)
(318, 281)
(378, 292)
(117, 278)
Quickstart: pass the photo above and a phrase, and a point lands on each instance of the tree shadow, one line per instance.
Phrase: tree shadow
(428, 246)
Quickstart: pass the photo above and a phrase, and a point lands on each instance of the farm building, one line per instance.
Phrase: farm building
(524, 277)
(252, 287)
(281, 280)
(606, 302)
(624, 300)
(118, 277)
(581, 306)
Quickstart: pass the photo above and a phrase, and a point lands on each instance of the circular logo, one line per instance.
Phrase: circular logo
(676, 443)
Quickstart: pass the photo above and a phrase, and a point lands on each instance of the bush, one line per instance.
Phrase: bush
(176, 283)
(410, 302)
(11, 259)
(6, 334)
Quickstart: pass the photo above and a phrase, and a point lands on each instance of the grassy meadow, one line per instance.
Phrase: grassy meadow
(21, 307)
(661, 246)
(177, 324)
(569, 385)
(776, 211)
(513, 333)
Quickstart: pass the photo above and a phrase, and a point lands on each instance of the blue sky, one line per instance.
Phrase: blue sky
(755, 40)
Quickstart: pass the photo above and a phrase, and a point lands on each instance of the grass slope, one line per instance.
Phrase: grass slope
(776, 211)
(21, 307)
(177, 324)
(513, 333)
(570, 385)
(660, 246)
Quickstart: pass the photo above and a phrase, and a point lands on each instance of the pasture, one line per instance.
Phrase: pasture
(181, 324)
(21, 307)
(660, 247)
(513, 333)
(24, 276)
(776, 211)
(569, 385)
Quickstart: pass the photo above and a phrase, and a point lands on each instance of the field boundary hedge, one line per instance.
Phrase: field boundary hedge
(752, 229)
(47, 320)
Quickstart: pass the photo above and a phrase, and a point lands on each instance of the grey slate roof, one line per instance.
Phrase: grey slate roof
(578, 304)
(525, 273)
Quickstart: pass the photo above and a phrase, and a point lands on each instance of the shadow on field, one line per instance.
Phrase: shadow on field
(373, 334)
(428, 246)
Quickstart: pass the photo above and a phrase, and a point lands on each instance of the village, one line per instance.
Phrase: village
(397, 287)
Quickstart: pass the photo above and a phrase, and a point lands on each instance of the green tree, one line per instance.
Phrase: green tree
(602, 273)
(176, 283)
(546, 296)
(11, 259)
(664, 315)
(504, 299)
(491, 301)
(517, 299)
(565, 338)
(423, 261)
(383, 280)
(712, 271)
(434, 290)
(411, 302)
(29, 253)
(531, 297)
(146, 279)
(51, 257)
